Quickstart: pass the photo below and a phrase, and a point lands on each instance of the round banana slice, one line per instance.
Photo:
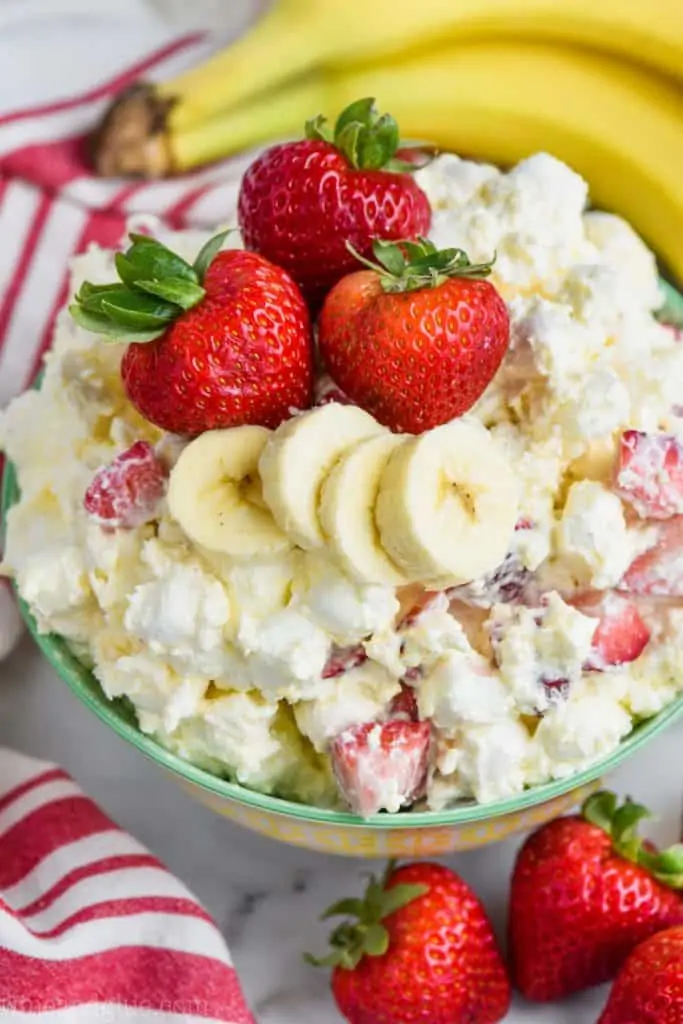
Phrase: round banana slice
(298, 457)
(447, 504)
(214, 492)
(347, 511)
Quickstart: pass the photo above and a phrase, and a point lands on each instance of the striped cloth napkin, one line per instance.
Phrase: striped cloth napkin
(93, 928)
(52, 207)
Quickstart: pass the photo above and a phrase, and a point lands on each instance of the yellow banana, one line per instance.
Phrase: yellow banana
(619, 126)
(297, 35)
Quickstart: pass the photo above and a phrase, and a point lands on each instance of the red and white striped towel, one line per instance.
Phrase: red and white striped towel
(51, 206)
(93, 928)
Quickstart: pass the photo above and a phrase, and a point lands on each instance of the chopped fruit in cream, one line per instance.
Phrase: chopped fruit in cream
(326, 610)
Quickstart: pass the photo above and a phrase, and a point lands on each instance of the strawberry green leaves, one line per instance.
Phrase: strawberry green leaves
(155, 287)
(620, 822)
(666, 866)
(185, 294)
(148, 258)
(366, 935)
(367, 139)
(207, 253)
(411, 265)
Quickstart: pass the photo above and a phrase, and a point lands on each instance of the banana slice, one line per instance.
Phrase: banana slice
(297, 459)
(447, 505)
(214, 492)
(347, 511)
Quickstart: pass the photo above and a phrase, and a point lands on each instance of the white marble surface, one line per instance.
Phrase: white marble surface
(266, 897)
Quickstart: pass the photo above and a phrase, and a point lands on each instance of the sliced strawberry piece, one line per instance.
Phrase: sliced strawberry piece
(404, 705)
(381, 766)
(621, 635)
(127, 492)
(343, 659)
(658, 572)
(650, 474)
(325, 391)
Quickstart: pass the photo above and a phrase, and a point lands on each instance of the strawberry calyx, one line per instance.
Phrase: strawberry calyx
(155, 286)
(407, 266)
(369, 140)
(363, 933)
(621, 823)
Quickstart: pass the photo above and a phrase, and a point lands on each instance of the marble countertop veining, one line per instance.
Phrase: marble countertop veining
(265, 896)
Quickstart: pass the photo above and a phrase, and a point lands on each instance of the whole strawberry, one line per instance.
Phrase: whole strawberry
(221, 343)
(649, 989)
(416, 339)
(421, 951)
(585, 892)
(301, 202)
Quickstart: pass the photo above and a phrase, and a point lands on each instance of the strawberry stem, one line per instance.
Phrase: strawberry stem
(410, 265)
(369, 140)
(155, 286)
(621, 823)
(364, 934)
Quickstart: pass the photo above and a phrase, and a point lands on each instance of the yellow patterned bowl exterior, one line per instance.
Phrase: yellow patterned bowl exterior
(413, 834)
(360, 840)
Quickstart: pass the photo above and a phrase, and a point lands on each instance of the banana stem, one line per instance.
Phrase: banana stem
(287, 41)
(263, 120)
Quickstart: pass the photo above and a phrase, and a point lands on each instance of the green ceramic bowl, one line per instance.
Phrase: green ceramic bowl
(418, 834)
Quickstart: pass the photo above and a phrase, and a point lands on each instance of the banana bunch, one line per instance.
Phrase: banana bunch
(439, 508)
(598, 85)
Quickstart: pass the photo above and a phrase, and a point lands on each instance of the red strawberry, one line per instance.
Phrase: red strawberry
(658, 572)
(585, 892)
(127, 492)
(404, 705)
(649, 989)
(421, 950)
(416, 340)
(301, 202)
(343, 659)
(221, 343)
(381, 765)
(621, 635)
(649, 474)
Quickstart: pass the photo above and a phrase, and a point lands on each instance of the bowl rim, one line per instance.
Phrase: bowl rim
(85, 686)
